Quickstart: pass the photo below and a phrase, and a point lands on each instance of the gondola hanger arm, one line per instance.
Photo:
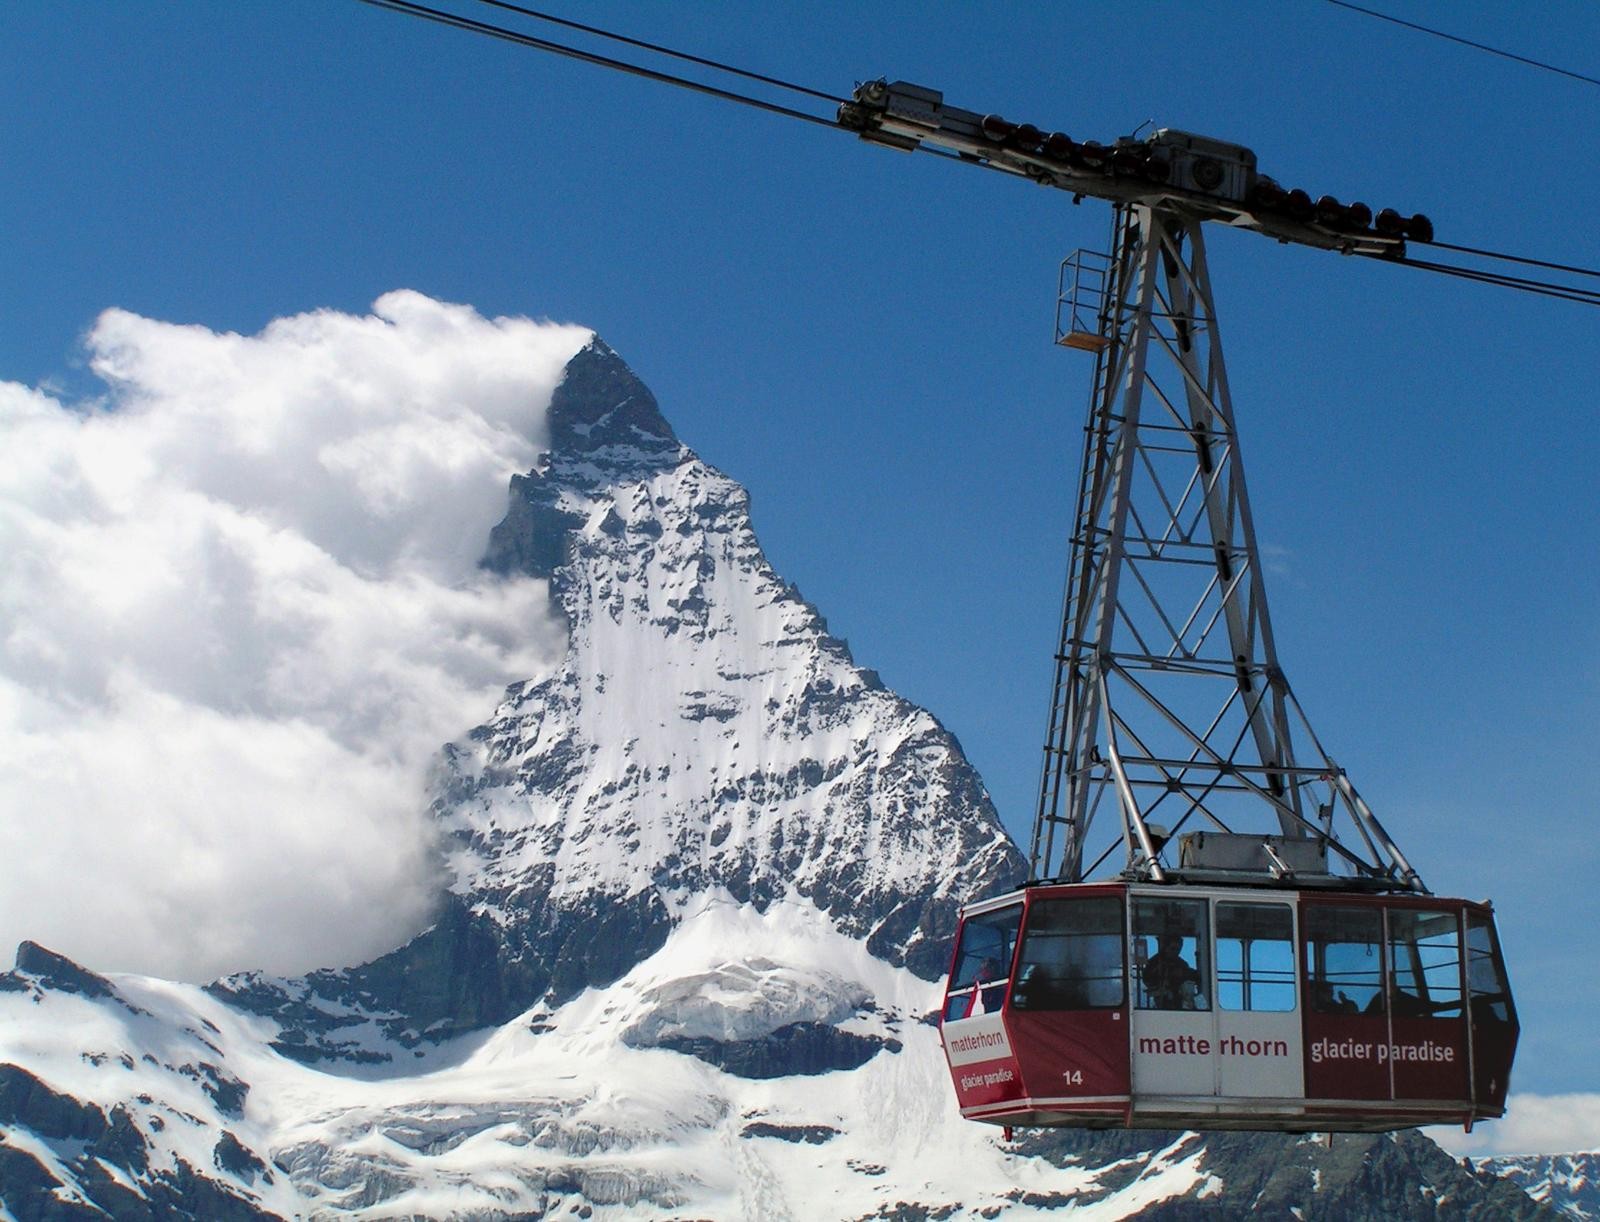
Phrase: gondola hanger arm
(1198, 176)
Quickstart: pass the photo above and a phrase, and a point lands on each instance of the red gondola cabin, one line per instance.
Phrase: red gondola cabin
(1106, 1005)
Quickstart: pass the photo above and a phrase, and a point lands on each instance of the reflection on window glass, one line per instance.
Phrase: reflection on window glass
(1344, 959)
(1255, 957)
(1170, 949)
(983, 964)
(1071, 956)
(1486, 974)
(1425, 951)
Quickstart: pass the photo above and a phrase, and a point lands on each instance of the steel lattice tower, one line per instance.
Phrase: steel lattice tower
(1170, 714)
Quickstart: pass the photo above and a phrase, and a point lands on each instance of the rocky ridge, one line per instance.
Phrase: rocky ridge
(1569, 1182)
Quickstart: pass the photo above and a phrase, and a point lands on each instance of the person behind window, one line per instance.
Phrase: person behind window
(990, 993)
(1170, 982)
(1403, 1004)
(1325, 1001)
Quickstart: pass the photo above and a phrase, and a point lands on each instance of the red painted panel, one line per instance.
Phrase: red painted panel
(1067, 1053)
(1430, 1058)
(996, 1081)
(1347, 1056)
(1494, 1044)
(1494, 1018)
(982, 1062)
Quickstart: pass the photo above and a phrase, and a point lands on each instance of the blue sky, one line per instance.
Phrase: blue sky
(863, 338)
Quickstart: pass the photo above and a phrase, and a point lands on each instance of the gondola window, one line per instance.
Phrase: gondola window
(1071, 956)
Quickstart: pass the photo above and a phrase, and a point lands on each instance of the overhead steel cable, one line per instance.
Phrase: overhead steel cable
(1542, 288)
(1494, 254)
(658, 49)
(1547, 288)
(413, 8)
(440, 16)
(1467, 42)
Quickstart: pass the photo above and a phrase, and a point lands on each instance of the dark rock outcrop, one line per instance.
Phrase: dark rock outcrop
(793, 1049)
(57, 972)
(86, 1139)
(1359, 1177)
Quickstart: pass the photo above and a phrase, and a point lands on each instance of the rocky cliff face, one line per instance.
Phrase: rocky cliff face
(706, 730)
(701, 882)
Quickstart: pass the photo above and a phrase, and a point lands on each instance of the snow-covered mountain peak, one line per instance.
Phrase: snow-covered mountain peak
(602, 406)
(705, 730)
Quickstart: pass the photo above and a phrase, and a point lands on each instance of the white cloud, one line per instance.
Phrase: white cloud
(239, 613)
(1533, 1124)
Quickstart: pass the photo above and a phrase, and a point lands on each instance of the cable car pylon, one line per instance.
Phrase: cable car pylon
(1172, 729)
(1218, 932)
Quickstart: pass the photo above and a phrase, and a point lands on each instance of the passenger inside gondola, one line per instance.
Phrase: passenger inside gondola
(1343, 959)
(991, 984)
(1401, 1003)
(1177, 975)
(983, 960)
(1324, 1000)
(1170, 980)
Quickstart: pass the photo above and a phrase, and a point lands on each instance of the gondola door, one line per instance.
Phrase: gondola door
(1174, 1023)
(1346, 1021)
(1258, 1020)
(1069, 1008)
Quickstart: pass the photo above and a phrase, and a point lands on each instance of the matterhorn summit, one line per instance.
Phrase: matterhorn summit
(705, 731)
(698, 888)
